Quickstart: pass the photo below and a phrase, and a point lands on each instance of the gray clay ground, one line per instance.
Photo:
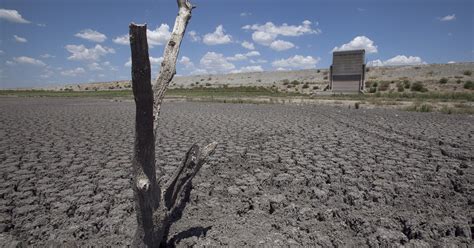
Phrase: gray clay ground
(282, 175)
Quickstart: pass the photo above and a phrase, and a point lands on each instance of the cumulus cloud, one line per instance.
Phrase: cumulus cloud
(448, 18)
(73, 72)
(359, 42)
(19, 39)
(91, 35)
(248, 45)
(80, 52)
(215, 63)
(153, 61)
(159, 36)
(255, 68)
(12, 15)
(239, 56)
(186, 61)
(266, 34)
(397, 61)
(95, 67)
(296, 62)
(28, 61)
(47, 56)
(281, 45)
(194, 36)
(122, 40)
(218, 37)
(244, 14)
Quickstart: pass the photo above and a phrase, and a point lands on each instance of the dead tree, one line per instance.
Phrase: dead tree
(157, 209)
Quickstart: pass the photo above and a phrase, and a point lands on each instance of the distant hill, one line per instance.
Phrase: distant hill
(436, 77)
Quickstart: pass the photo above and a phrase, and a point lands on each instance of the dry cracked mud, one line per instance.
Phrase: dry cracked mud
(283, 175)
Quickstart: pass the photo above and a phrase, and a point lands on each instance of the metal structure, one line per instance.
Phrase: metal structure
(348, 71)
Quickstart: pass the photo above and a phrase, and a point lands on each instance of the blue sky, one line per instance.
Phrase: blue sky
(54, 42)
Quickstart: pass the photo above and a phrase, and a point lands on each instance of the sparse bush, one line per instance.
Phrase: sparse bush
(372, 90)
(467, 73)
(400, 87)
(318, 71)
(375, 84)
(367, 69)
(315, 87)
(305, 86)
(209, 79)
(286, 81)
(259, 80)
(420, 108)
(384, 86)
(418, 86)
(325, 77)
(289, 86)
(458, 81)
(356, 105)
(469, 85)
(295, 82)
(208, 84)
(443, 81)
(406, 84)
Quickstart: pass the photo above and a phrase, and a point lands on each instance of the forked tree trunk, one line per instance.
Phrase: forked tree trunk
(158, 209)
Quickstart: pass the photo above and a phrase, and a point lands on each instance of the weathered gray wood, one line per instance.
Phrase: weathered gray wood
(170, 55)
(157, 210)
(146, 190)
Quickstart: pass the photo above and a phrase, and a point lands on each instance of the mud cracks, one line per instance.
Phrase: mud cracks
(282, 175)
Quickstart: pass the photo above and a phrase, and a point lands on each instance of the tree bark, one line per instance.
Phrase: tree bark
(158, 209)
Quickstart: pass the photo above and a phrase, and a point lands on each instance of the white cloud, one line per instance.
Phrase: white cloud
(20, 39)
(80, 52)
(451, 62)
(153, 61)
(244, 14)
(258, 61)
(29, 61)
(215, 63)
(397, 61)
(359, 42)
(47, 56)
(95, 67)
(122, 40)
(159, 36)
(240, 57)
(248, 45)
(73, 72)
(194, 36)
(156, 61)
(2, 52)
(41, 25)
(296, 62)
(12, 15)
(255, 68)
(448, 18)
(186, 61)
(91, 35)
(199, 72)
(218, 37)
(267, 33)
(281, 45)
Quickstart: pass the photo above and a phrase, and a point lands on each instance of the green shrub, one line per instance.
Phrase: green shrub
(400, 87)
(318, 71)
(469, 85)
(420, 108)
(384, 86)
(406, 84)
(467, 73)
(418, 86)
(458, 81)
(443, 81)
(372, 90)
(286, 81)
(305, 86)
(295, 82)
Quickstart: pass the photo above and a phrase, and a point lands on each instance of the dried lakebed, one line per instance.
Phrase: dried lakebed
(282, 175)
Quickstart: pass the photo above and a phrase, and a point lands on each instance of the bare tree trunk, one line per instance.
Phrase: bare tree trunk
(158, 209)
